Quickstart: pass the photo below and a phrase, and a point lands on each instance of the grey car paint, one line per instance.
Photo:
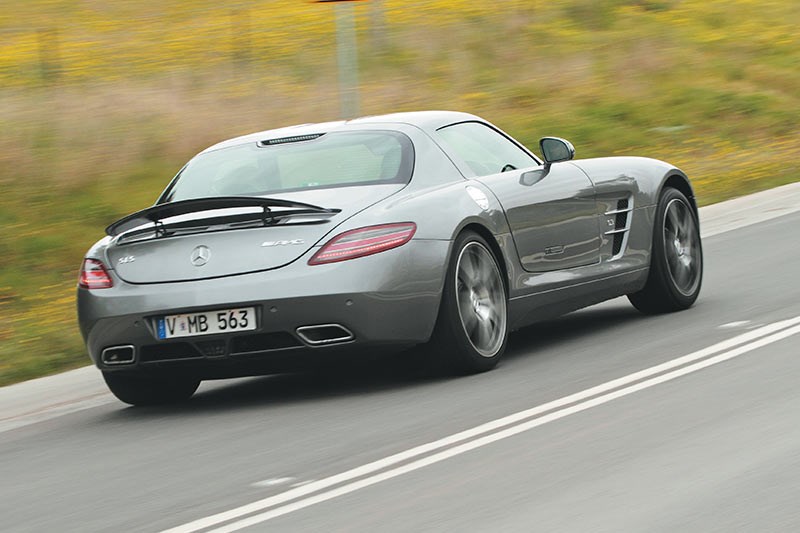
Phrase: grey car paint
(554, 220)
(547, 223)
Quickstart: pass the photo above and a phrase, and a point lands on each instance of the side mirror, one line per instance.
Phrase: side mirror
(555, 150)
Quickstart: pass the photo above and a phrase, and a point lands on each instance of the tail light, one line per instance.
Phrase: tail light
(364, 241)
(94, 275)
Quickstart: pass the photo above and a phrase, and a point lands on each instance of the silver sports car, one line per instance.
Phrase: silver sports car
(381, 233)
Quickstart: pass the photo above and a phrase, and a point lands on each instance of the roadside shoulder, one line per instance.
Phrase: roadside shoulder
(749, 210)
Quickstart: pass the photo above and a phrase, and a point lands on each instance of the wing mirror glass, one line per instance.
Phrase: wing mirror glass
(555, 149)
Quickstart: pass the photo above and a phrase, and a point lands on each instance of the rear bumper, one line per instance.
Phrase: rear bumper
(387, 299)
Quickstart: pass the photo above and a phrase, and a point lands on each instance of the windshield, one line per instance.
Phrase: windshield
(335, 159)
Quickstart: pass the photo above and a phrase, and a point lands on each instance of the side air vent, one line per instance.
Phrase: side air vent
(621, 224)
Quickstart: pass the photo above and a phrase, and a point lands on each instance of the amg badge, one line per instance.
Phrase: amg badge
(282, 243)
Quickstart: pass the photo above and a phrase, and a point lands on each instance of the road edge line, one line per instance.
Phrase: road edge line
(476, 431)
(505, 433)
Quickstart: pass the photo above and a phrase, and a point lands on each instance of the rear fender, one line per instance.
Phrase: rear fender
(442, 213)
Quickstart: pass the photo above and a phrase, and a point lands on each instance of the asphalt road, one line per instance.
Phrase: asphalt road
(602, 420)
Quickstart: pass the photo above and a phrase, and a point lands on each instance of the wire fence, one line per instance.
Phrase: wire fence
(130, 48)
(54, 42)
(82, 45)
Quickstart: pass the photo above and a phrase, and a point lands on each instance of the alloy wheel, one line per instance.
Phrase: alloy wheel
(681, 247)
(481, 299)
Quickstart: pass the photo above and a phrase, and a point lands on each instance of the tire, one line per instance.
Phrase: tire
(471, 330)
(676, 261)
(145, 390)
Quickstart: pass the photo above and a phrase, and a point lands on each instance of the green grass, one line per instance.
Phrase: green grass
(127, 92)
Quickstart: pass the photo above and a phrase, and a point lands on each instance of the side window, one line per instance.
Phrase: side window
(483, 149)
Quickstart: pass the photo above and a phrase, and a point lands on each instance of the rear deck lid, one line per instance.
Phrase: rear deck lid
(230, 240)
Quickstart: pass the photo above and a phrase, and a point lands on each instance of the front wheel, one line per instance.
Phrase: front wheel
(472, 328)
(146, 390)
(676, 261)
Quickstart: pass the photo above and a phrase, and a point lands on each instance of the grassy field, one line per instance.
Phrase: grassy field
(102, 102)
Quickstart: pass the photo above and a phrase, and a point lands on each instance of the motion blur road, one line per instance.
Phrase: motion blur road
(684, 422)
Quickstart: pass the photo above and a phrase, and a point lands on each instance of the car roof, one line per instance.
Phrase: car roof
(426, 120)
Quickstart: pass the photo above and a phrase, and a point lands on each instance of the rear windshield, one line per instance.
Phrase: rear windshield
(337, 159)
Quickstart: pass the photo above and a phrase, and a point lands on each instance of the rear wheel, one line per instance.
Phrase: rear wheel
(146, 390)
(472, 329)
(676, 261)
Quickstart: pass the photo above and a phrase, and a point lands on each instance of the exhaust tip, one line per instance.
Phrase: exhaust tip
(324, 334)
(118, 355)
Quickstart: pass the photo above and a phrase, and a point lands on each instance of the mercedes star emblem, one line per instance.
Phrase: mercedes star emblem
(200, 256)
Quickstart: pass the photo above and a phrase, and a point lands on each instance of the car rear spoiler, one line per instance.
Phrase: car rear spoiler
(159, 212)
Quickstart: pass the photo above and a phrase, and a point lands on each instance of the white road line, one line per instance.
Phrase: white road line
(734, 325)
(272, 482)
(476, 436)
(502, 434)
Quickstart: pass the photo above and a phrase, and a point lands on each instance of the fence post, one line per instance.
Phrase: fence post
(49, 47)
(347, 58)
(241, 41)
(378, 26)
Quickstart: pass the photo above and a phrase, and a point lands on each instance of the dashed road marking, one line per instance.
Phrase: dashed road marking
(272, 482)
(734, 325)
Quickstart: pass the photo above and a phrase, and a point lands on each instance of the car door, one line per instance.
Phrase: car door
(551, 211)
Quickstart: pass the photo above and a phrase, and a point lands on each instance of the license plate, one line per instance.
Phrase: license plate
(208, 323)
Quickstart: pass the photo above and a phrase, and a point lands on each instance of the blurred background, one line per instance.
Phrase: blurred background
(102, 102)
